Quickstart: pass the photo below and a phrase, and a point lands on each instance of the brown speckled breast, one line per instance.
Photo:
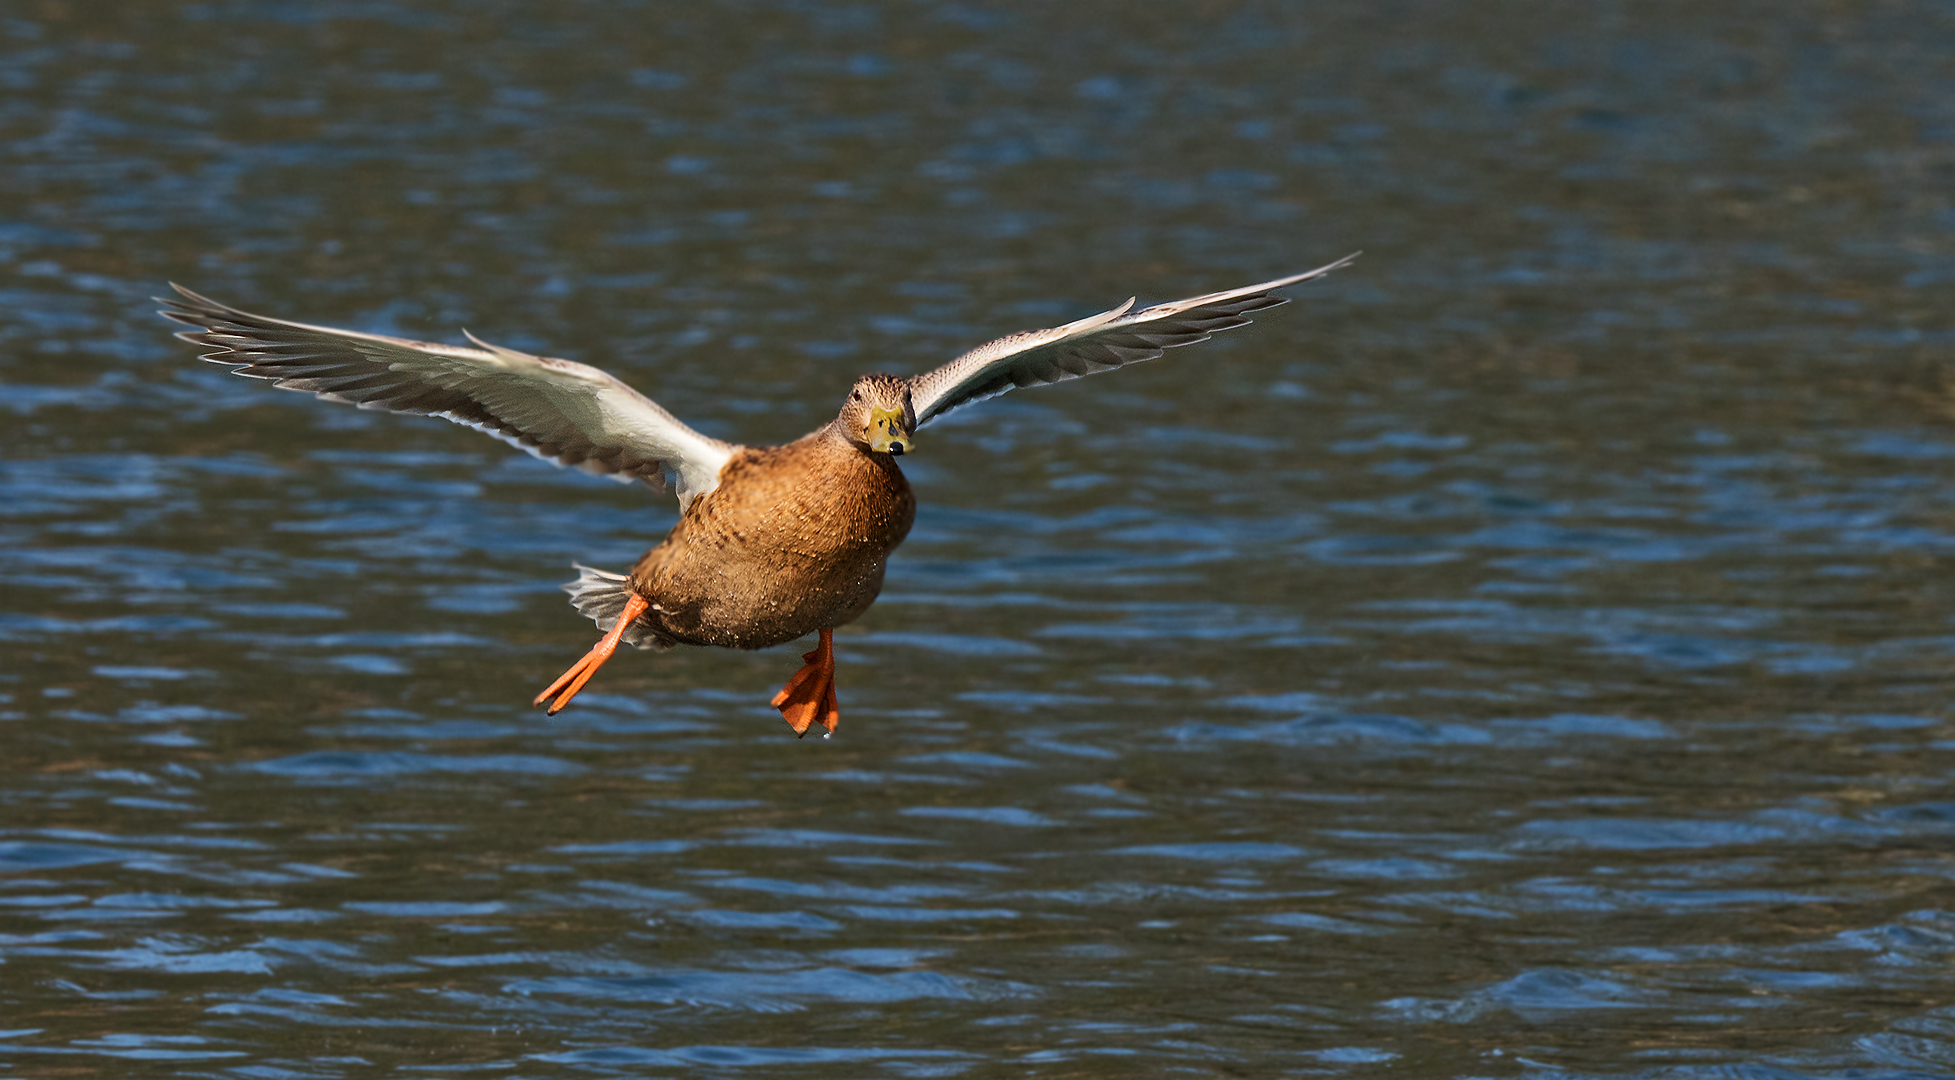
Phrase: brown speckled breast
(795, 538)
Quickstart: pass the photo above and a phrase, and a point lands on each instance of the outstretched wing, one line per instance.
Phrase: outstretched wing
(568, 413)
(1101, 343)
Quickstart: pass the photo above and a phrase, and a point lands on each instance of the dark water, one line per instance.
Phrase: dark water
(1529, 653)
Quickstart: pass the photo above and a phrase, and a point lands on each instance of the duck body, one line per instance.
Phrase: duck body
(794, 539)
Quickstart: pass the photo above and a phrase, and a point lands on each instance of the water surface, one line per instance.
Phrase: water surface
(1529, 652)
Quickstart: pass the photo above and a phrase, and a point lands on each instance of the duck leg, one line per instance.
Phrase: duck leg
(810, 695)
(580, 672)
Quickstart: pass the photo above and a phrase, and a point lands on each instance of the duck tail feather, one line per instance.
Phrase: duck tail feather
(600, 595)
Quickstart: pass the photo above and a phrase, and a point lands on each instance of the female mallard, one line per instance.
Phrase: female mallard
(773, 542)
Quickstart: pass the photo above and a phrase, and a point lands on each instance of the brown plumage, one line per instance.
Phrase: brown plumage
(773, 542)
(794, 539)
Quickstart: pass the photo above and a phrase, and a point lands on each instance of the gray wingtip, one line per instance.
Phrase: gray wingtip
(1327, 268)
(195, 309)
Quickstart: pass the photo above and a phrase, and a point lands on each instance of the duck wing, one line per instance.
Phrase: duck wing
(1102, 342)
(560, 411)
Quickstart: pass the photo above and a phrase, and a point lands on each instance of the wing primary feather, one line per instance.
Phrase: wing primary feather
(1103, 342)
(557, 410)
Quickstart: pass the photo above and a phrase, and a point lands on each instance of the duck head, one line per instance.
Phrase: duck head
(878, 414)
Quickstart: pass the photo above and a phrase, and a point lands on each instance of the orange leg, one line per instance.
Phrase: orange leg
(580, 672)
(810, 695)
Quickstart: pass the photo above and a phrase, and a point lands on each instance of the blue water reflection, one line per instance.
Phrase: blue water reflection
(1525, 654)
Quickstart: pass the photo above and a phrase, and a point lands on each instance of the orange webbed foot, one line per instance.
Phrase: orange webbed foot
(580, 672)
(809, 696)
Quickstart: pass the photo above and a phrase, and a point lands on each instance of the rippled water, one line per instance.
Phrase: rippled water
(1529, 652)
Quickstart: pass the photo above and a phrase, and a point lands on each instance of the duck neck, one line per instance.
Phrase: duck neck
(837, 432)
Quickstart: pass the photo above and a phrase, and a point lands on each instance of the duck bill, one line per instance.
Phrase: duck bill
(888, 434)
